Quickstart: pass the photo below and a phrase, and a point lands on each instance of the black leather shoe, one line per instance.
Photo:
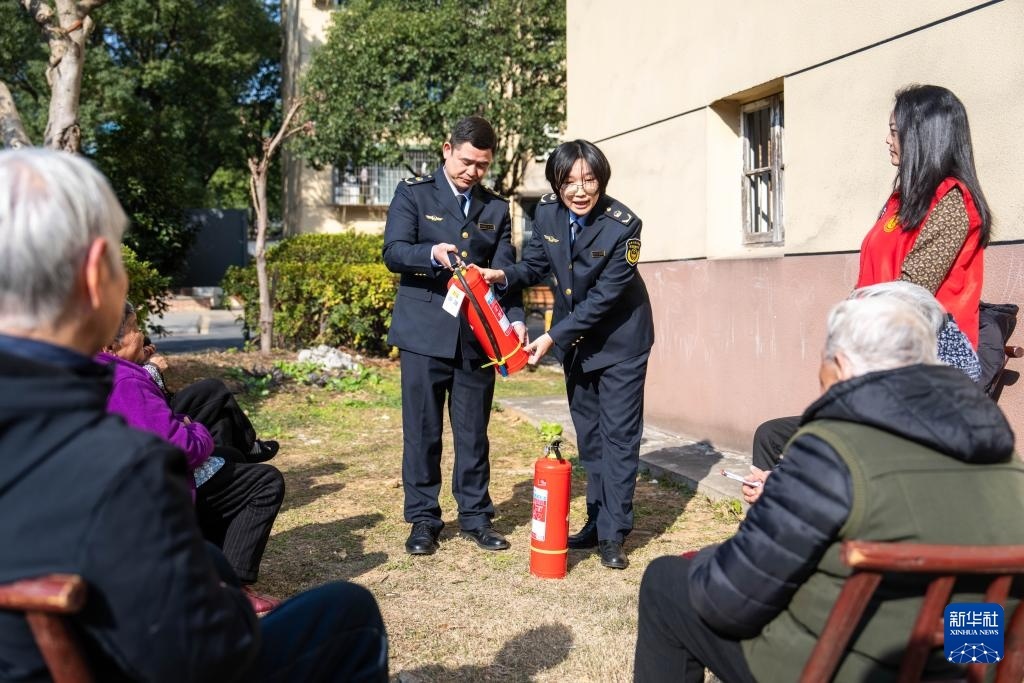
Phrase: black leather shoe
(485, 537)
(263, 451)
(612, 555)
(587, 536)
(422, 540)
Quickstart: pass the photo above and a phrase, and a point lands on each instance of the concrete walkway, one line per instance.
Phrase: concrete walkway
(191, 327)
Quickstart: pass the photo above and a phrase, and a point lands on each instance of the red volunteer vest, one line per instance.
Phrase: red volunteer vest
(886, 246)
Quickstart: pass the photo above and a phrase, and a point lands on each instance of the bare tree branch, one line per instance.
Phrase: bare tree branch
(12, 131)
(283, 132)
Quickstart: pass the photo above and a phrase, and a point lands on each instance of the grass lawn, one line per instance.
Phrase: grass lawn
(462, 614)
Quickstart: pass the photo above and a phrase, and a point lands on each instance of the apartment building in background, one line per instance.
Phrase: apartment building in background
(356, 197)
(749, 137)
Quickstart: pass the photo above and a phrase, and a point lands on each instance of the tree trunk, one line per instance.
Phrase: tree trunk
(258, 187)
(259, 167)
(66, 32)
(12, 131)
(67, 57)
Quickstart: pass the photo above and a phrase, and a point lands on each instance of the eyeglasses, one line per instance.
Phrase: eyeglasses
(588, 186)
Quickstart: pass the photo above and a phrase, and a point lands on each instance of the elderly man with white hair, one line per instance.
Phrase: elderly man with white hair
(82, 493)
(897, 448)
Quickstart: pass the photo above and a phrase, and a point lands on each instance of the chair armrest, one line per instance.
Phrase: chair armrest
(58, 593)
(960, 559)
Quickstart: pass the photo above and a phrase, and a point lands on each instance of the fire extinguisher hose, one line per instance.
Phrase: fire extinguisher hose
(459, 270)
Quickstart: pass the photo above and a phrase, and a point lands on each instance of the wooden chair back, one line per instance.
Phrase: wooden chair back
(945, 563)
(46, 602)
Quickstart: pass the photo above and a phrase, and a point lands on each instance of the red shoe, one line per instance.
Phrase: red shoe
(263, 604)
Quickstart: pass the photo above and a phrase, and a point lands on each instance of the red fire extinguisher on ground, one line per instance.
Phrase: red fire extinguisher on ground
(549, 529)
(487, 319)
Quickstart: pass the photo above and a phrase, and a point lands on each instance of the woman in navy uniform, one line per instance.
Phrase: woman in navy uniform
(602, 331)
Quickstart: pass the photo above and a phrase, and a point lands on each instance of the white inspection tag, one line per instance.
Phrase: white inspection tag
(453, 302)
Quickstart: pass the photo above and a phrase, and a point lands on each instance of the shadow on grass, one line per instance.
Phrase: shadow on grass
(520, 659)
(302, 487)
(326, 551)
(516, 510)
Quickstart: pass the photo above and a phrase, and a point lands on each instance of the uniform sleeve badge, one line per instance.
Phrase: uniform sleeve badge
(633, 251)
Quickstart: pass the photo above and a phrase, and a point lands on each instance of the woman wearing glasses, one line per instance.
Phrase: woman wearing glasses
(602, 331)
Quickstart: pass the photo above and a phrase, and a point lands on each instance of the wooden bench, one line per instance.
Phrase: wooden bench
(46, 602)
(870, 561)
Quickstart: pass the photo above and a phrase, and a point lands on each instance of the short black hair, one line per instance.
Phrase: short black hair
(475, 130)
(565, 155)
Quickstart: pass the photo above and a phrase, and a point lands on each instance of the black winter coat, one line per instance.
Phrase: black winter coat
(82, 493)
(741, 585)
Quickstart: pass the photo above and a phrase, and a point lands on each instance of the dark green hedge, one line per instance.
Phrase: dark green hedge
(326, 289)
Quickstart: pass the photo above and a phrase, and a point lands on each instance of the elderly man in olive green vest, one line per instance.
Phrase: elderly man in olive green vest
(898, 448)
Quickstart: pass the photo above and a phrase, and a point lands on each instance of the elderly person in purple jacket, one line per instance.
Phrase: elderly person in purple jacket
(236, 502)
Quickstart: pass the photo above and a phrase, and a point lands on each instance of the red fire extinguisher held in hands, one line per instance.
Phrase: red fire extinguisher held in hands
(487, 319)
(549, 527)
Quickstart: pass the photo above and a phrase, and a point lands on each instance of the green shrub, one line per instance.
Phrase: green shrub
(147, 289)
(340, 248)
(329, 289)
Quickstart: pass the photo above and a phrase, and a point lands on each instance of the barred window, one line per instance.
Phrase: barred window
(762, 132)
(374, 184)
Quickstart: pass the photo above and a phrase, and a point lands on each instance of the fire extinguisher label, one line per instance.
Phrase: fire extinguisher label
(539, 524)
(453, 302)
(499, 313)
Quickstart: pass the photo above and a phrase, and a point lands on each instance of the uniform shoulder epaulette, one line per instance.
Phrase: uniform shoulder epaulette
(416, 180)
(549, 198)
(494, 193)
(618, 211)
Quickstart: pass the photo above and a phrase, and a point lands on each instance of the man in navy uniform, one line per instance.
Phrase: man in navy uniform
(431, 217)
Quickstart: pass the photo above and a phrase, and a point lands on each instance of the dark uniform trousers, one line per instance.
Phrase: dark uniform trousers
(426, 383)
(603, 332)
(608, 434)
(440, 356)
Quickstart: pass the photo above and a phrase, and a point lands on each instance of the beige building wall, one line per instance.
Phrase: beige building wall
(659, 88)
(308, 202)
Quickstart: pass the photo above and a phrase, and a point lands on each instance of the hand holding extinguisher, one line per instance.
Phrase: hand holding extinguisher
(487, 319)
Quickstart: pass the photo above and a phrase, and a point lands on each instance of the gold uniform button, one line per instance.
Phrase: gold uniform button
(568, 292)
(465, 235)
(465, 253)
